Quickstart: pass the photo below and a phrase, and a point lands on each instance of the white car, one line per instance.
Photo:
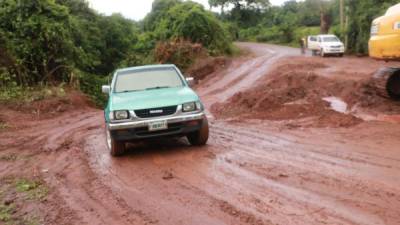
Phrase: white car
(324, 45)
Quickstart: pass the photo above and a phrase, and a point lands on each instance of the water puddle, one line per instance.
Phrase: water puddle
(337, 104)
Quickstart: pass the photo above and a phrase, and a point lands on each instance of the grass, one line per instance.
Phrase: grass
(22, 192)
(34, 190)
(8, 157)
(6, 216)
(20, 94)
(6, 212)
(3, 126)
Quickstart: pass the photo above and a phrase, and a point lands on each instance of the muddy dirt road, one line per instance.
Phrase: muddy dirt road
(253, 171)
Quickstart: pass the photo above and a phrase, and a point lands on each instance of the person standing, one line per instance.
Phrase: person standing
(303, 46)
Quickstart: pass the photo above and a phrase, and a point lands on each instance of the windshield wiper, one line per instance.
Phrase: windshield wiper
(158, 87)
(126, 91)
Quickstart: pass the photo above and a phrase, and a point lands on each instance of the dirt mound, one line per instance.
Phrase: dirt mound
(206, 66)
(53, 105)
(295, 91)
(18, 115)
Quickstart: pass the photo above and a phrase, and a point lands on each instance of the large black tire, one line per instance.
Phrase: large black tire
(200, 137)
(341, 55)
(393, 85)
(116, 148)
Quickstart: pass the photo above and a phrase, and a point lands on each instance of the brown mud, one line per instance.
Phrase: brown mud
(298, 90)
(288, 158)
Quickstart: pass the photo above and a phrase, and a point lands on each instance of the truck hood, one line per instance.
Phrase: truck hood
(328, 44)
(152, 98)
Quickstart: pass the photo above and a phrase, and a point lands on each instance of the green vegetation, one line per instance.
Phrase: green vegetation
(8, 157)
(6, 212)
(14, 195)
(257, 20)
(3, 126)
(48, 42)
(361, 14)
(13, 93)
(33, 190)
(51, 42)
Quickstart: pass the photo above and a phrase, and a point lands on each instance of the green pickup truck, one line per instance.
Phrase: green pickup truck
(152, 101)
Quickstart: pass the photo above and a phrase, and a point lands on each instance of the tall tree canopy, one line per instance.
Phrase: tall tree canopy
(243, 12)
(46, 39)
(171, 19)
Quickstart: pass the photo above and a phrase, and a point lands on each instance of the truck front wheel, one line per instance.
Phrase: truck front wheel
(116, 148)
(200, 137)
(393, 85)
(314, 52)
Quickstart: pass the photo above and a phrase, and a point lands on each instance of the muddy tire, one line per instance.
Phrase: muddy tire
(116, 148)
(340, 55)
(393, 85)
(313, 52)
(200, 137)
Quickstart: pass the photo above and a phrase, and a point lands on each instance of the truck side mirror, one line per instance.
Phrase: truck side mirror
(190, 81)
(105, 89)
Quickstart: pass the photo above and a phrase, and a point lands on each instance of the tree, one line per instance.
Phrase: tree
(158, 11)
(361, 14)
(218, 3)
(244, 12)
(37, 35)
(190, 21)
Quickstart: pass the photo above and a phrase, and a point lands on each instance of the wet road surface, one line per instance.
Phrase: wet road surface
(251, 172)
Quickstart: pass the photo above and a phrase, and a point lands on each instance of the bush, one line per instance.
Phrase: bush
(249, 34)
(180, 52)
(38, 36)
(303, 32)
(288, 35)
(272, 35)
(190, 21)
(91, 85)
(232, 29)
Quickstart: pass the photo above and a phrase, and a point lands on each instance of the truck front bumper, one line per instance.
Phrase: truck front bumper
(386, 47)
(177, 126)
(334, 51)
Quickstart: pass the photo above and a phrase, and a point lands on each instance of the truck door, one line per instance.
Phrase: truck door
(312, 43)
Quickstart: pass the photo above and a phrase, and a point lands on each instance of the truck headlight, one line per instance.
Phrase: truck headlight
(396, 25)
(189, 107)
(374, 29)
(192, 106)
(121, 115)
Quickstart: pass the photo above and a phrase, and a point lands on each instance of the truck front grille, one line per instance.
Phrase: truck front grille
(156, 112)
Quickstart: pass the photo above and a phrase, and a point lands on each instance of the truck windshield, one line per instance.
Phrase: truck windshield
(147, 79)
(330, 39)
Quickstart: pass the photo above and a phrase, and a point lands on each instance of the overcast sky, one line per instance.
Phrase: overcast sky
(136, 9)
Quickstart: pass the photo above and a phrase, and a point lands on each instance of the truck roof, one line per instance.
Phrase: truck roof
(146, 67)
(393, 10)
(326, 35)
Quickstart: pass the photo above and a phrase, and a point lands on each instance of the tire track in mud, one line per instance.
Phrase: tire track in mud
(236, 175)
(284, 159)
(328, 154)
(73, 184)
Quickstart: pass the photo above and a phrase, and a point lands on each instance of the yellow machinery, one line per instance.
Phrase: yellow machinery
(384, 44)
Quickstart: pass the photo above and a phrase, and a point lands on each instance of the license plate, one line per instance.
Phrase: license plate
(159, 125)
